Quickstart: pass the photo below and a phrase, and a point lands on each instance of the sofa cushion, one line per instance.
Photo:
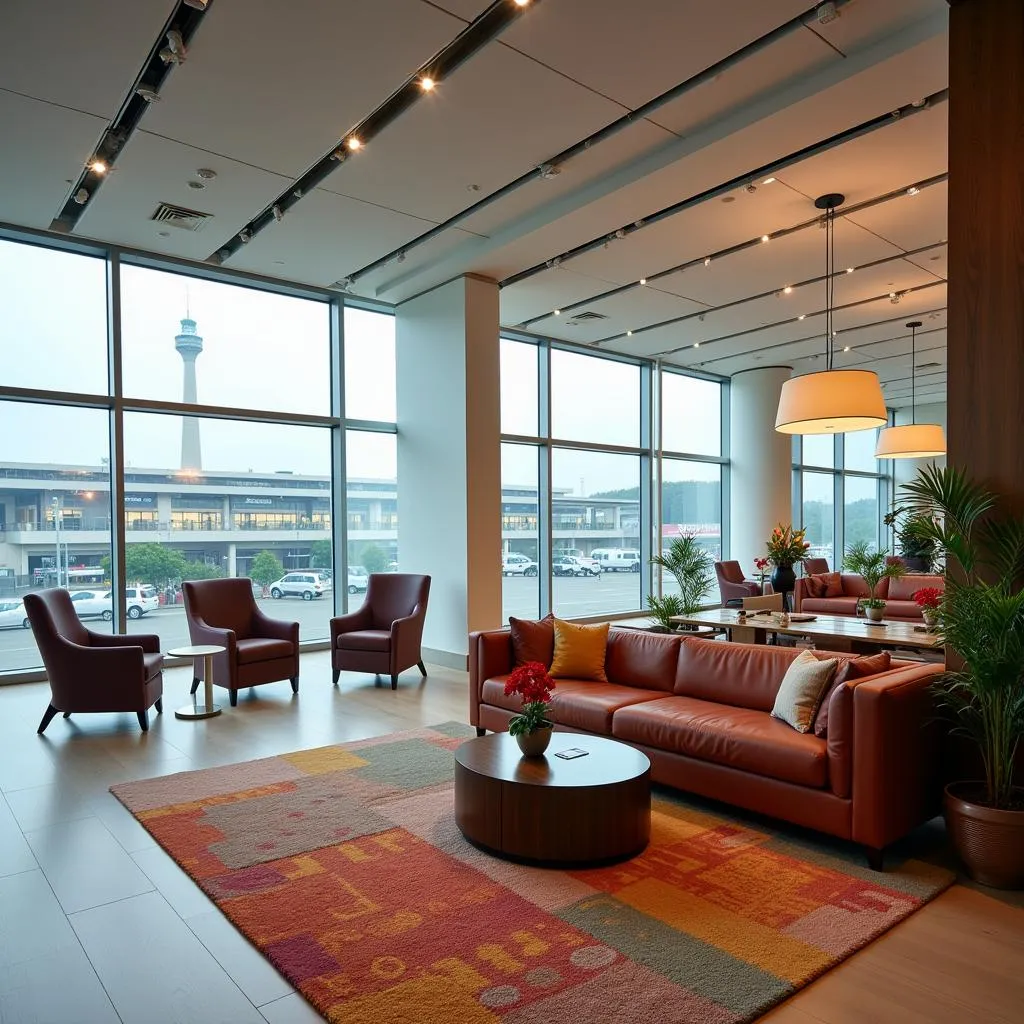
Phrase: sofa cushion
(741, 738)
(744, 675)
(831, 585)
(153, 664)
(365, 640)
(533, 640)
(580, 651)
(576, 703)
(903, 588)
(815, 585)
(829, 605)
(854, 586)
(903, 610)
(803, 686)
(642, 659)
(851, 668)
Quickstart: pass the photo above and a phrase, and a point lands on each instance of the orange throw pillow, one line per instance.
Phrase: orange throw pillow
(833, 584)
(816, 586)
(580, 651)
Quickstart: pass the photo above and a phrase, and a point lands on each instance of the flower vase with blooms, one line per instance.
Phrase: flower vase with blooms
(532, 726)
(786, 547)
(928, 600)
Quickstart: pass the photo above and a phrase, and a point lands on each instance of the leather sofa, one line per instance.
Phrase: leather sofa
(699, 709)
(897, 593)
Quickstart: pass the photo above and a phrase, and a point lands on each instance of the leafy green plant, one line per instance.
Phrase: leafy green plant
(663, 608)
(266, 568)
(912, 538)
(872, 566)
(982, 617)
(691, 566)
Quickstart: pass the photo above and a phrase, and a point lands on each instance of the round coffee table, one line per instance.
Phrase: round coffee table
(549, 810)
(205, 651)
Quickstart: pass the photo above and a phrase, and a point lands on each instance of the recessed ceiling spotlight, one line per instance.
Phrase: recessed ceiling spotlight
(700, 317)
(913, 191)
(98, 167)
(894, 298)
(768, 181)
(549, 171)
(164, 234)
(400, 258)
(244, 235)
(197, 185)
(206, 173)
(81, 197)
(354, 143)
(147, 93)
(199, 5)
(707, 261)
(643, 280)
(427, 83)
(850, 270)
(802, 316)
(629, 334)
(521, 3)
(277, 212)
(620, 233)
(728, 199)
(934, 258)
(696, 344)
(765, 239)
(473, 188)
(751, 188)
(788, 290)
(846, 348)
(297, 192)
(278, 263)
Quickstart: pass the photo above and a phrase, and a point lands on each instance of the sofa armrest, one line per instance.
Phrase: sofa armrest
(799, 593)
(896, 755)
(149, 642)
(490, 654)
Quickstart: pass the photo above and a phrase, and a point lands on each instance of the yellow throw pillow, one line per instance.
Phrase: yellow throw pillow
(580, 651)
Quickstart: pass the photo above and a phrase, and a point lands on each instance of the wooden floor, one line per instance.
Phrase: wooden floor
(97, 924)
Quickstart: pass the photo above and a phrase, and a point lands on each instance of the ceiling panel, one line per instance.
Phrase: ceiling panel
(152, 170)
(277, 85)
(860, 23)
(44, 148)
(544, 293)
(912, 221)
(80, 55)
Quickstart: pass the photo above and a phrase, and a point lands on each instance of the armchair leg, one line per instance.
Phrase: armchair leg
(295, 684)
(67, 714)
(337, 675)
(233, 697)
(195, 684)
(394, 680)
(47, 718)
(481, 732)
(423, 671)
(159, 705)
(875, 858)
(143, 720)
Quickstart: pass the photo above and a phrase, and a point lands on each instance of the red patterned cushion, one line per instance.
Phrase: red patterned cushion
(815, 585)
(833, 584)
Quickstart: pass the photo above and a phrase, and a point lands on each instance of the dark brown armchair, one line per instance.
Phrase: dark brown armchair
(258, 649)
(815, 566)
(732, 584)
(384, 635)
(89, 671)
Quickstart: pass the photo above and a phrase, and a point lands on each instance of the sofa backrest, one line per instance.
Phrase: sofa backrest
(903, 588)
(641, 659)
(743, 675)
(854, 586)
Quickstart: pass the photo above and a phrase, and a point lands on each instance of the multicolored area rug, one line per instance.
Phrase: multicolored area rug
(344, 867)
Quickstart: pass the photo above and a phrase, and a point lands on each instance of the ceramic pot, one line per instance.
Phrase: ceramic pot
(931, 617)
(533, 744)
(990, 842)
(875, 614)
(783, 582)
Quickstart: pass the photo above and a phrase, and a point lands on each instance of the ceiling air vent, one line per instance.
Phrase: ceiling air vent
(927, 366)
(586, 316)
(180, 217)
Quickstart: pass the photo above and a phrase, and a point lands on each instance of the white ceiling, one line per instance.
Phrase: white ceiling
(268, 89)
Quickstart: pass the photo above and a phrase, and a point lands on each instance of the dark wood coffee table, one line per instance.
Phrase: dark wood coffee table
(548, 810)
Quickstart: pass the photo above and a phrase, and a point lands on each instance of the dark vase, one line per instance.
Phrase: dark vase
(783, 582)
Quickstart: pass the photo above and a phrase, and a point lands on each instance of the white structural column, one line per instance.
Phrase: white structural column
(904, 470)
(449, 458)
(761, 462)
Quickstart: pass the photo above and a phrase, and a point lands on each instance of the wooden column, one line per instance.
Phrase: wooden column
(986, 243)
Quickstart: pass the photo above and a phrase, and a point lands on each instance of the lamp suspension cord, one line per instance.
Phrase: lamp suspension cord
(830, 214)
(913, 375)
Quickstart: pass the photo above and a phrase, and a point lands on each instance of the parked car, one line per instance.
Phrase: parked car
(358, 578)
(306, 585)
(12, 614)
(617, 559)
(141, 599)
(570, 565)
(514, 564)
(93, 604)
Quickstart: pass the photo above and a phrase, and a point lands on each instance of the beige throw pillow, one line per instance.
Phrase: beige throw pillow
(804, 685)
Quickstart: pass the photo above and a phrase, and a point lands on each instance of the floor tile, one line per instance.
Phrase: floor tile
(176, 887)
(291, 1009)
(155, 970)
(41, 806)
(121, 823)
(15, 854)
(85, 864)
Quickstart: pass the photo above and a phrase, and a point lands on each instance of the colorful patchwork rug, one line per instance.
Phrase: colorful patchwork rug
(344, 867)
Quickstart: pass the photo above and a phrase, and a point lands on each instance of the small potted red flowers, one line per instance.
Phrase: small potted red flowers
(532, 726)
(928, 600)
(761, 564)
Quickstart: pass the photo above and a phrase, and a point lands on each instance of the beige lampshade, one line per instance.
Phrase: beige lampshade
(913, 441)
(831, 402)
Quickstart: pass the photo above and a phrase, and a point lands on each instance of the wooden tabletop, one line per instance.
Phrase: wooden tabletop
(824, 627)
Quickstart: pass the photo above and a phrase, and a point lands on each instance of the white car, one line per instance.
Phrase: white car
(514, 564)
(141, 599)
(570, 565)
(358, 578)
(12, 614)
(93, 604)
(307, 585)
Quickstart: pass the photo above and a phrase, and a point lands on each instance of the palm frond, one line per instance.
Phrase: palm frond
(1003, 540)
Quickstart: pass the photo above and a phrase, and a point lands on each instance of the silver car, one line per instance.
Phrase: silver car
(306, 584)
(12, 613)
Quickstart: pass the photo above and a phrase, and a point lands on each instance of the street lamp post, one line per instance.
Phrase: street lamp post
(56, 527)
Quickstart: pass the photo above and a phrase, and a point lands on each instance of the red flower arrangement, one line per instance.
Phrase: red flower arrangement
(928, 597)
(761, 564)
(532, 682)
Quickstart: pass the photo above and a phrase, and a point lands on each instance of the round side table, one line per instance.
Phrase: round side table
(205, 651)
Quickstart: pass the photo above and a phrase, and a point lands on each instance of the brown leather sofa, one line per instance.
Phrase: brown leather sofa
(897, 593)
(699, 709)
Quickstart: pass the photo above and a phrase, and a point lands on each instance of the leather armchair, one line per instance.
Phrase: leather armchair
(92, 672)
(732, 585)
(384, 635)
(258, 649)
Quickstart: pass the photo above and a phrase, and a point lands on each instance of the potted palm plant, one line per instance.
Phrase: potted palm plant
(872, 567)
(982, 626)
(691, 566)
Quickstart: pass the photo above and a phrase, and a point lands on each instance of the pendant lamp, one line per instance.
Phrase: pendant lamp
(913, 440)
(831, 401)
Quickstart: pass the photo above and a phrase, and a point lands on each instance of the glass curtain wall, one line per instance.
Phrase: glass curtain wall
(841, 491)
(220, 427)
(587, 462)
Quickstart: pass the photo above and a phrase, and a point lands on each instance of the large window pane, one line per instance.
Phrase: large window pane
(372, 507)
(518, 387)
(819, 515)
(369, 365)
(188, 339)
(259, 506)
(520, 585)
(859, 451)
(53, 331)
(691, 504)
(594, 400)
(819, 450)
(860, 511)
(54, 517)
(691, 415)
(595, 511)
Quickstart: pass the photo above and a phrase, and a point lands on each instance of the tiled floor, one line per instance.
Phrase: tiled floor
(97, 924)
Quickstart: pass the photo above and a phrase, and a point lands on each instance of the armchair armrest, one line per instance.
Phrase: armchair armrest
(490, 654)
(406, 635)
(149, 642)
(361, 618)
(799, 593)
(275, 629)
(81, 676)
(202, 632)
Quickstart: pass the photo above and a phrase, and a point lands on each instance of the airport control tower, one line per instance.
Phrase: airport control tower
(189, 345)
